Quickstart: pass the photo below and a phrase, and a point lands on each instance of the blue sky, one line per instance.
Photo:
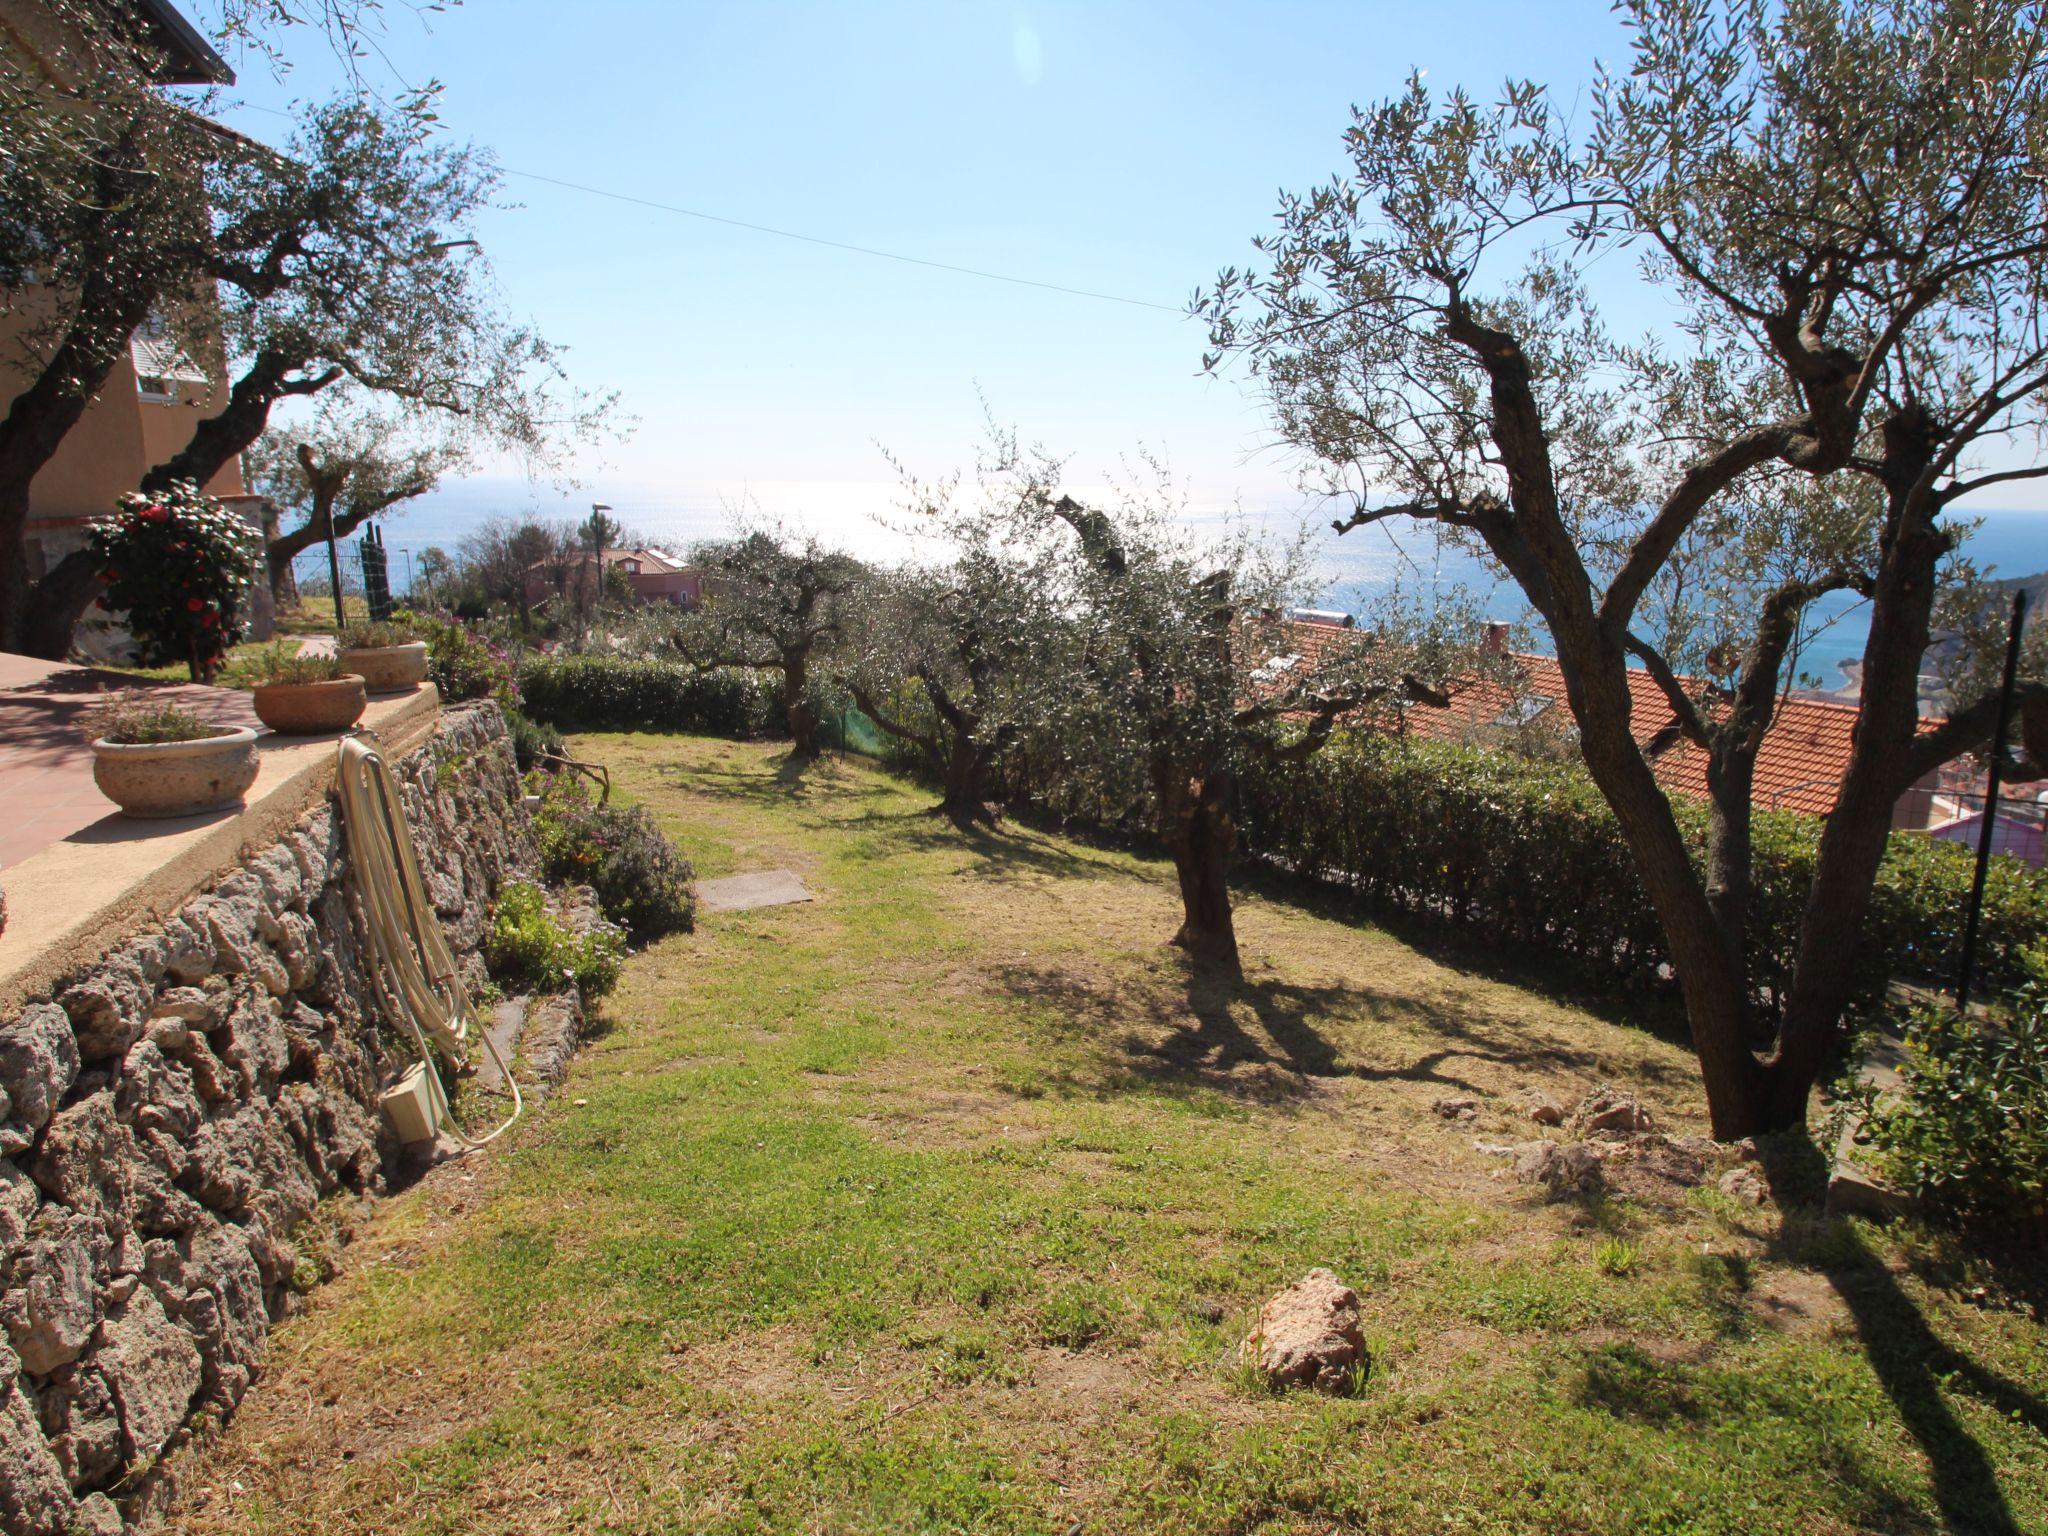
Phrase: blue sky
(1129, 149)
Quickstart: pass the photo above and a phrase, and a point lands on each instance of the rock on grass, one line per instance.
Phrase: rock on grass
(1308, 1335)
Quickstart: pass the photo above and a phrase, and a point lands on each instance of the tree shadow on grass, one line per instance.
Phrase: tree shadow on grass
(1466, 953)
(1915, 1365)
(1625, 1381)
(788, 779)
(1005, 851)
(1266, 1039)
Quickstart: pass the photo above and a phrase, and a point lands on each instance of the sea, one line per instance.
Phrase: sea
(1349, 574)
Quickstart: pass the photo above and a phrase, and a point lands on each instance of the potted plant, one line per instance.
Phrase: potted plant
(155, 759)
(388, 654)
(181, 566)
(301, 695)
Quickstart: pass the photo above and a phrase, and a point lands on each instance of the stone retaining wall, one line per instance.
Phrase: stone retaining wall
(171, 1117)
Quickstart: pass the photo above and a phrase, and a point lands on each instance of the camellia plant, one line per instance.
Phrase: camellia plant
(181, 565)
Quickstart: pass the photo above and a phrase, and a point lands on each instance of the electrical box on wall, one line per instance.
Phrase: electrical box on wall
(409, 1105)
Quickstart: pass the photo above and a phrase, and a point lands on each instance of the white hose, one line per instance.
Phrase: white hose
(414, 970)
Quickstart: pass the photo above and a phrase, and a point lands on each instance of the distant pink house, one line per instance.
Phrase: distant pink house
(653, 576)
(2010, 834)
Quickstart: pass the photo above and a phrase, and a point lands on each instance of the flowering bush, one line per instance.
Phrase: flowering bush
(465, 665)
(182, 566)
(641, 881)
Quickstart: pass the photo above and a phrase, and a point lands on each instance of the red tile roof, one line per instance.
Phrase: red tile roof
(1799, 767)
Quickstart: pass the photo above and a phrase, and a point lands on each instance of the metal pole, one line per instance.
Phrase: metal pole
(334, 575)
(1984, 834)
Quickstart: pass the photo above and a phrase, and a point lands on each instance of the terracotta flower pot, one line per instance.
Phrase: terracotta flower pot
(389, 668)
(177, 778)
(312, 709)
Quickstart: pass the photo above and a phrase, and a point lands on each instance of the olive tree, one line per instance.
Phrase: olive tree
(963, 650)
(348, 255)
(351, 463)
(1185, 670)
(951, 659)
(772, 601)
(1844, 207)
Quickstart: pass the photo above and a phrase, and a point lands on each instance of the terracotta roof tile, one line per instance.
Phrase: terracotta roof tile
(1799, 767)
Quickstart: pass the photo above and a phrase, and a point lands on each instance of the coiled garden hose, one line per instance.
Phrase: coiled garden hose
(414, 969)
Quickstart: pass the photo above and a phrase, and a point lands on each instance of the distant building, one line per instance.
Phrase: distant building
(653, 576)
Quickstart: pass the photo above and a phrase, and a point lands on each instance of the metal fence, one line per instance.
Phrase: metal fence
(310, 570)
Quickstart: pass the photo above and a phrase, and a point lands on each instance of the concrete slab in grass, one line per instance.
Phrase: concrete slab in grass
(743, 893)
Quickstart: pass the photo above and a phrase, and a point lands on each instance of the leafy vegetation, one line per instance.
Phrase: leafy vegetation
(780, 601)
(136, 719)
(1966, 1130)
(1831, 203)
(529, 944)
(641, 881)
(376, 634)
(464, 665)
(282, 663)
(597, 692)
(1529, 854)
(182, 566)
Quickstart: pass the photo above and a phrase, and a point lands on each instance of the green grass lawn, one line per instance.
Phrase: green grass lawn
(941, 1204)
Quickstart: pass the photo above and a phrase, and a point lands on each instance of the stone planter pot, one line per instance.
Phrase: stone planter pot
(389, 668)
(312, 709)
(177, 778)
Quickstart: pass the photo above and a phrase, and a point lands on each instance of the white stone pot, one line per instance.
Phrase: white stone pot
(388, 668)
(177, 778)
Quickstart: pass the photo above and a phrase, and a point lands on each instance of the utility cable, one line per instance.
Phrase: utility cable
(791, 234)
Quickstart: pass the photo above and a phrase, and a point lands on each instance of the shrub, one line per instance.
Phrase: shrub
(283, 664)
(530, 945)
(134, 719)
(1966, 1130)
(641, 881)
(615, 693)
(181, 565)
(1528, 854)
(375, 634)
(464, 665)
(529, 739)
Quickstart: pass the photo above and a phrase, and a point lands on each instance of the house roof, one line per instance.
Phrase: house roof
(185, 57)
(1799, 766)
(652, 562)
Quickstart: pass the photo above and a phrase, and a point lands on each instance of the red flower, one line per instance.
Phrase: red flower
(208, 619)
(193, 603)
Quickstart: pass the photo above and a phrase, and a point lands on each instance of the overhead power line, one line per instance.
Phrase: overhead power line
(842, 245)
(791, 234)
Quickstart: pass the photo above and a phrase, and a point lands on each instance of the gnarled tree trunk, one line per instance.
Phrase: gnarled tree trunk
(796, 705)
(1201, 836)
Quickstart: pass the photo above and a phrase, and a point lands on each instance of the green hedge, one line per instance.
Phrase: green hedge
(1529, 855)
(614, 693)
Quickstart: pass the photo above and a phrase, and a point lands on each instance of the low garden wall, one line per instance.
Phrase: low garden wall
(171, 1116)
